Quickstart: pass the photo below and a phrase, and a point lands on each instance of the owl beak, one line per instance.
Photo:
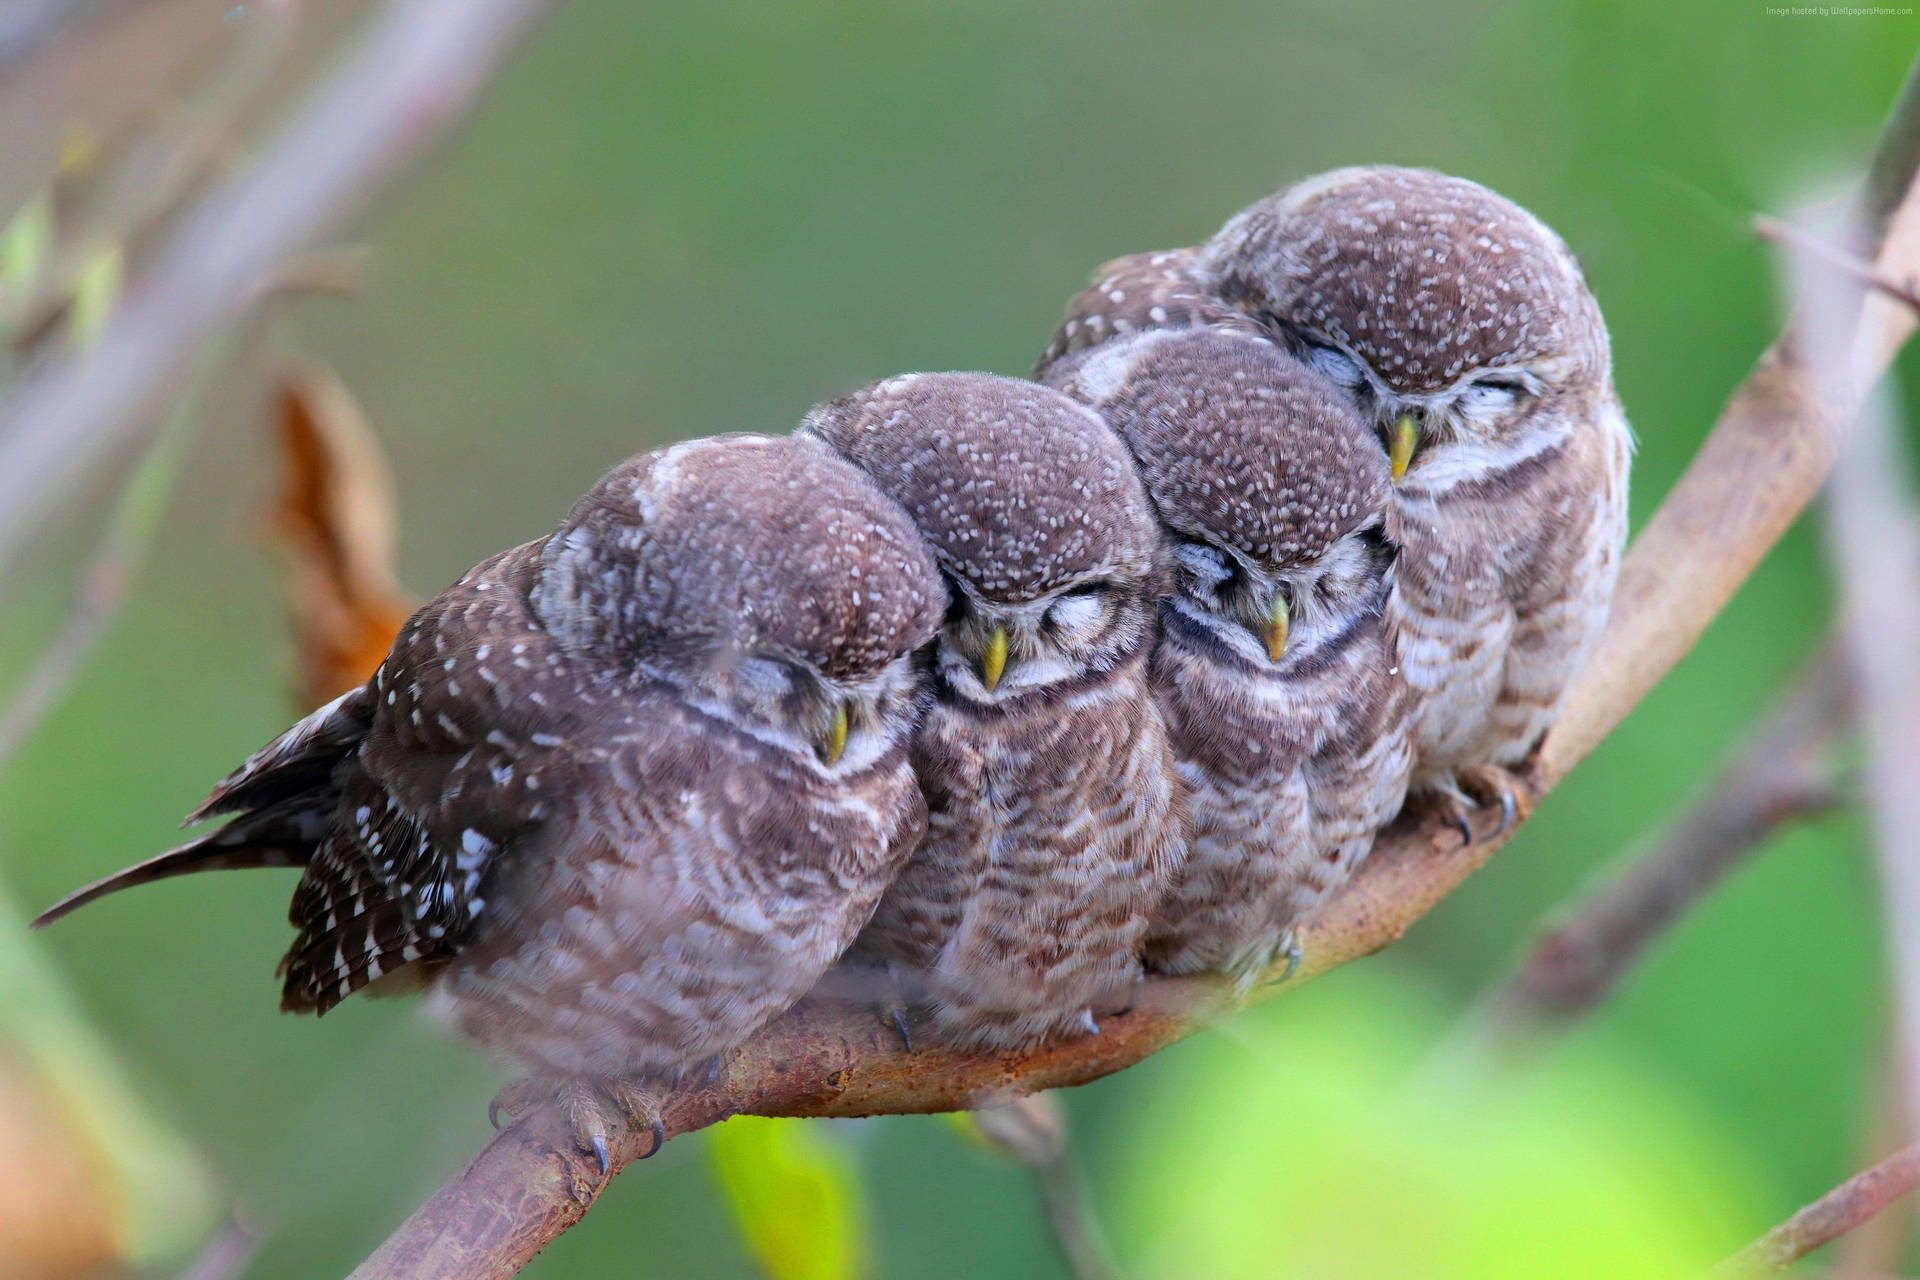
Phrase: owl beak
(1401, 444)
(1276, 635)
(833, 743)
(993, 663)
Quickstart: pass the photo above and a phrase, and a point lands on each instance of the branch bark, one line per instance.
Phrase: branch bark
(1839, 1211)
(1756, 471)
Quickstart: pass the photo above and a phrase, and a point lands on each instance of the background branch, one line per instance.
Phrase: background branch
(1756, 471)
(1033, 1130)
(413, 75)
(1842, 1209)
(1783, 773)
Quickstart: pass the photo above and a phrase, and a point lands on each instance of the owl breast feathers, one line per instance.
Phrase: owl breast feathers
(1054, 821)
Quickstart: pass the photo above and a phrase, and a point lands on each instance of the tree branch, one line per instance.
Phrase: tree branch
(1754, 474)
(1783, 774)
(1839, 1211)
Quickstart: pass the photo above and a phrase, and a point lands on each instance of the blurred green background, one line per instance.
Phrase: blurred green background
(674, 220)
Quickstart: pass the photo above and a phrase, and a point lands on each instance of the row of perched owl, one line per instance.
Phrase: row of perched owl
(989, 690)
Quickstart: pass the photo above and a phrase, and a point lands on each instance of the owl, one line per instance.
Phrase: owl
(1054, 814)
(1464, 330)
(1275, 669)
(1142, 291)
(619, 795)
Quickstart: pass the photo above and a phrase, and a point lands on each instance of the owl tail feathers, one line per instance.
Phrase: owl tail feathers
(271, 838)
(299, 762)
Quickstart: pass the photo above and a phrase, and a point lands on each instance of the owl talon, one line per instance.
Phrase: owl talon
(1289, 951)
(1489, 784)
(898, 1017)
(1087, 1024)
(592, 1108)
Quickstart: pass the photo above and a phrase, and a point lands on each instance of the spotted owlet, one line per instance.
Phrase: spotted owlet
(1142, 291)
(621, 794)
(1054, 821)
(1274, 669)
(1463, 328)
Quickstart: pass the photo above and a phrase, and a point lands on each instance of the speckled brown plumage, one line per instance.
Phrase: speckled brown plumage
(1053, 816)
(1141, 291)
(1269, 484)
(1433, 299)
(586, 793)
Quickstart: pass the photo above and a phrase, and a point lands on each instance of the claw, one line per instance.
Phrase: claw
(1087, 1024)
(1290, 949)
(600, 1155)
(1492, 784)
(898, 1017)
(659, 1130)
(493, 1113)
(1465, 827)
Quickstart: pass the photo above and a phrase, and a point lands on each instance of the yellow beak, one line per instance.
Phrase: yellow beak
(994, 661)
(834, 744)
(1277, 619)
(1400, 448)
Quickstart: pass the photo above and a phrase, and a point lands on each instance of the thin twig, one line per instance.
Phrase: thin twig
(1756, 471)
(412, 76)
(1033, 1130)
(1783, 774)
(1839, 1211)
(1789, 236)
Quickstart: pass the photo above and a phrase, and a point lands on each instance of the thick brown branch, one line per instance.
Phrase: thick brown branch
(1839, 1211)
(1783, 773)
(1751, 478)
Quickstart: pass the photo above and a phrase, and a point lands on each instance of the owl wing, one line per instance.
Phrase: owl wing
(469, 715)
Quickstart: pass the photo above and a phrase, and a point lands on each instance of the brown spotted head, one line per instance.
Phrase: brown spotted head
(763, 576)
(1032, 509)
(1447, 311)
(1273, 490)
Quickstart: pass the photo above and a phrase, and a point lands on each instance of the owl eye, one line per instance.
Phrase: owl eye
(1334, 365)
(1491, 396)
(1079, 610)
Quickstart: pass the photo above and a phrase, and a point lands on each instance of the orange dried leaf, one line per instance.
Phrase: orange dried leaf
(335, 515)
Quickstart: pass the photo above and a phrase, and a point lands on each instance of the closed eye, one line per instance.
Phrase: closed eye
(1078, 612)
(1490, 397)
(1333, 364)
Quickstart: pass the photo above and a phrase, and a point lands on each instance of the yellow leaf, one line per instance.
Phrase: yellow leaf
(794, 1196)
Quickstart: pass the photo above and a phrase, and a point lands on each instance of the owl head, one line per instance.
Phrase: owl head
(1033, 511)
(1458, 321)
(769, 582)
(1271, 487)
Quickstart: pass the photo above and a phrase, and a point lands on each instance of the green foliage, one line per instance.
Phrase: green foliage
(794, 1197)
(1313, 1145)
